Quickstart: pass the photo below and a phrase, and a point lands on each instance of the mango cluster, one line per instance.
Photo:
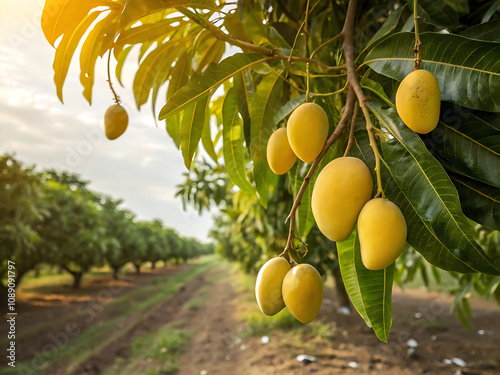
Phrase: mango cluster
(299, 288)
(304, 137)
(342, 197)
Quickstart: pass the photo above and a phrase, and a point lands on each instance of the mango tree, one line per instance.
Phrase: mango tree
(235, 73)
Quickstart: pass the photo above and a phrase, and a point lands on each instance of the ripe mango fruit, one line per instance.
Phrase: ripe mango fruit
(268, 285)
(303, 292)
(280, 156)
(307, 131)
(340, 192)
(115, 121)
(418, 101)
(382, 233)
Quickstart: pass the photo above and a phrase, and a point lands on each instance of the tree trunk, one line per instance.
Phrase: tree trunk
(339, 286)
(4, 299)
(153, 265)
(115, 273)
(137, 268)
(19, 276)
(77, 279)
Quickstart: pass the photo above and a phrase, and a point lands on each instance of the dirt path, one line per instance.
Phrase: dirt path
(41, 313)
(351, 347)
(346, 346)
(163, 314)
(213, 345)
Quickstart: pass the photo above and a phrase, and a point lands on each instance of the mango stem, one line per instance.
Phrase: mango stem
(418, 43)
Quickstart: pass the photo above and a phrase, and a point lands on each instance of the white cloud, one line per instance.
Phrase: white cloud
(142, 167)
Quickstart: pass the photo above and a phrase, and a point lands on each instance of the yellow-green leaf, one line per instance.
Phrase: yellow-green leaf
(66, 49)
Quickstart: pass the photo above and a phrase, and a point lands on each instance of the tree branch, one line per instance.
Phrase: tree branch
(219, 34)
(352, 77)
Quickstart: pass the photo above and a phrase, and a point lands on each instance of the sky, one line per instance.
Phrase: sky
(142, 167)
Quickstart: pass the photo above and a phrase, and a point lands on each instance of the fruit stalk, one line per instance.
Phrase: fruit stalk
(116, 97)
(418, 43)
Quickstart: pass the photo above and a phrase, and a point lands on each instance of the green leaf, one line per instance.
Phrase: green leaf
(262, 108)
(460, 6)
(491, 11)
(288, 108)
(212, 54)
(66, 49)
(468, 143)
(489, 31)
(370, 291)
(173, 126)
(437, 13)
(64, 16)
(429, 189)
(146, 33)
(215, 75)
(120, 60)
(420, 234)
(193, 120)
(206, 139)
(135, 10)
(151, 66)
(467, 70)
(245, 91)
(479, 201)
(180, 74)
(388, 26)
(97, 42)
(161, 77)
(376, 88)
(233, 147)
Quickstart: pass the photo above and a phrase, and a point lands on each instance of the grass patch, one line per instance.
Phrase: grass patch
(96, 337)
(154, 354)
(258, 324)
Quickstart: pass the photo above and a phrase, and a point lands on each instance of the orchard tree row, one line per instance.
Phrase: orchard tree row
(53, 218)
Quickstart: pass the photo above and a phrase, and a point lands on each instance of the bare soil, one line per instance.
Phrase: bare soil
(216, 346)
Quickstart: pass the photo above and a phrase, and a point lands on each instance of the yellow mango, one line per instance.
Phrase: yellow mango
(418, 101)
(268, 285)
(340, 192)
(303, 292)
(115, 121)
(382, 233)
(280, 156)
(307, 131)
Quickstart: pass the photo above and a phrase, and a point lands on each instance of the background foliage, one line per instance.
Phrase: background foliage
(52, 218)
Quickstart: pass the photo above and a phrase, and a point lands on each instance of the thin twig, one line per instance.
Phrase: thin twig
(329, 41)
(351, 131)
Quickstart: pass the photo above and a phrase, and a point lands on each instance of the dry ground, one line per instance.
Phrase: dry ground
(215, 307)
